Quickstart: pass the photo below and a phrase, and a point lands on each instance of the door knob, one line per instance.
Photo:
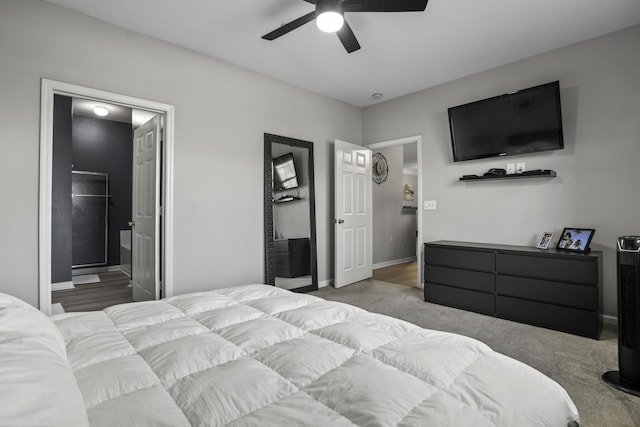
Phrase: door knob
(339, 221)
(132, 223)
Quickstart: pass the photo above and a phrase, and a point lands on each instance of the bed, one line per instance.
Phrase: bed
(257, 355)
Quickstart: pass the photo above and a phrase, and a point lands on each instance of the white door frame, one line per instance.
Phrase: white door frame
(401, 141)
(49, 88)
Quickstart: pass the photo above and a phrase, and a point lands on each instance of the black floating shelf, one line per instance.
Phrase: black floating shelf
(286, 200)
(547, 173)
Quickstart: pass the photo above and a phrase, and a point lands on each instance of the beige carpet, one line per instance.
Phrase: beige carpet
(574, 362)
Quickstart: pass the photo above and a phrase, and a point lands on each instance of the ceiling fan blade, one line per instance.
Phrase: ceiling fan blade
(286, 28)
(348, 39)
(384, 5)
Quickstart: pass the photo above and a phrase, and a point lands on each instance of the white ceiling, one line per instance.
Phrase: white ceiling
(117, 113)
(401, 52)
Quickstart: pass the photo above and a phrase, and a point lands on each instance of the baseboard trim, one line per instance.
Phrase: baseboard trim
(62, 286)
(609, 320)
(393, 262)
(325, 283)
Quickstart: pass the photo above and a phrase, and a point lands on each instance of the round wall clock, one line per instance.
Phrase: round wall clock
(380, 168)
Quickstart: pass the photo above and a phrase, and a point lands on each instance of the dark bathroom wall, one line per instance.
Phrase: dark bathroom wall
(61, 191)
(106, 146)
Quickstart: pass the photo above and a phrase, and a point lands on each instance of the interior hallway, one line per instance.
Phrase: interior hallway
(403, 274)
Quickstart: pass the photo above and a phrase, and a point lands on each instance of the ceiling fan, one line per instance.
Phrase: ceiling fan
(329, 16)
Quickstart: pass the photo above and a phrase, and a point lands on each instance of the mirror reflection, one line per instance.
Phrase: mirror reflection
(290, 214)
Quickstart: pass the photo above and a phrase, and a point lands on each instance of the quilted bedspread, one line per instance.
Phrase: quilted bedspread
(256, 355)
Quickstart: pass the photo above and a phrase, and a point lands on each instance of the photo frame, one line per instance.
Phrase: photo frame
(545, 240)
(575, 239)
(408, 192)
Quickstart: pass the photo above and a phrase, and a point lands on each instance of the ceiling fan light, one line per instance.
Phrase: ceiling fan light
(330, 21)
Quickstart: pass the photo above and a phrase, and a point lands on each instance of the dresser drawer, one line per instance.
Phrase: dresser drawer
(281, 258)
(460, 298)
(474, 280)
(572, 320)
(460, 258)
(281, 245)
(577, 296)
(547, 268)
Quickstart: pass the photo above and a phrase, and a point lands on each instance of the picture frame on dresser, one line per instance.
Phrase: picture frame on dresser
(574, 239)
(545, 240)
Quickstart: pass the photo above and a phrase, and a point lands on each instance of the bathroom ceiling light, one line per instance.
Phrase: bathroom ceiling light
(100, 111)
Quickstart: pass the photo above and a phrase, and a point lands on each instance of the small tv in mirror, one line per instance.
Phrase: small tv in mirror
(284, 173)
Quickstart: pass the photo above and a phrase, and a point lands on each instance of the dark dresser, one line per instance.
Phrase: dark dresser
(292, 257)
(553, 289)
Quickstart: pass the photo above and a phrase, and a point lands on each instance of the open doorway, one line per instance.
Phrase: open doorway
(396, 215)
(92, 201)
(92, 173)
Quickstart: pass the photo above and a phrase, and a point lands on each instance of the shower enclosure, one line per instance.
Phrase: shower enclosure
(90, 213)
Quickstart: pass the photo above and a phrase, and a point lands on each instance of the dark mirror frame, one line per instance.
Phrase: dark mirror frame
(268, 210)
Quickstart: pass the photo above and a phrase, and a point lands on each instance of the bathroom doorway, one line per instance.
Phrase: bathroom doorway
(100, 198)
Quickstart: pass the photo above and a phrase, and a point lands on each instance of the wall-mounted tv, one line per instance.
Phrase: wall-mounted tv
(526, 121)
(284, 173)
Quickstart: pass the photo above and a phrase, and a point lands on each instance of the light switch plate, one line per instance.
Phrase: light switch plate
(429, 205)
(511, 168)
(520, 167)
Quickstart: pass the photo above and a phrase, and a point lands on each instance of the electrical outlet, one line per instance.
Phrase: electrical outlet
(511, 168)
(429, 205)
(520, 167)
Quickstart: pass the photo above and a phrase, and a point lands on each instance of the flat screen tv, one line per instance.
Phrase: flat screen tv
(284, 173)
(526, 121)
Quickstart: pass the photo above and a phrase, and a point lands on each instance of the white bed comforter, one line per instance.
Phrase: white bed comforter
(256, 356)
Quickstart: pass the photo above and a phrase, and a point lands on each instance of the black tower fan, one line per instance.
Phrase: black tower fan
(627, 378)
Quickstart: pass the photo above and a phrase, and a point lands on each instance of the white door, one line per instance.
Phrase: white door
(353, 219)
(145, 251)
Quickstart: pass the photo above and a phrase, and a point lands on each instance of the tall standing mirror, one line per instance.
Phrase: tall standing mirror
(289, 214)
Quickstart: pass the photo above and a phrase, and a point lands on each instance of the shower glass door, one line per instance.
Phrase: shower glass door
(90, 202)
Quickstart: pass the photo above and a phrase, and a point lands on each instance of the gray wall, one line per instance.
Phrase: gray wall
(61, 252)
(222, 113)
(394, 230)
(409, 218)
(106, 146)
(598, 170)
